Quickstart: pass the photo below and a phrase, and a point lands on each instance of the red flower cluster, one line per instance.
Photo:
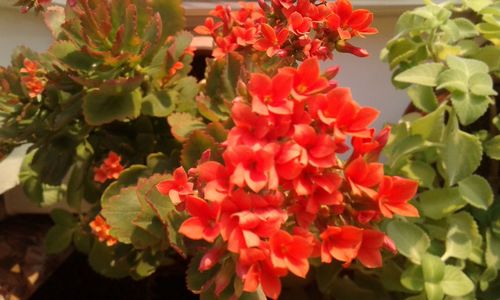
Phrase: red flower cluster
(30, 78)
(301, 28)
(281, 195)
(101, 229)
(109, 169)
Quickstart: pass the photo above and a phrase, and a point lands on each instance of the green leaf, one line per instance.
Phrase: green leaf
(492, 147)
(29, 179)
(182, 124)
(423, 74)
(477, 5)
(433, 291)
(100, 109)
(413, 278)
(81, 168)
(410, 240)
(439, 203)
(127, 177)
(63, 218)
(455, 283)
(400, 50)
(120, 211)
(430, 127)
(147, 192)
(462, 236)
(405, 147)
(423, 172)
(194, 147)
(469, 107)
(158, 104)
(83, 241)
(104, 260)
(195, 279)
(468, 66)
(54, 18)
(423, 97)
(481, 84)
(453, 80)
(432, 268)
(172, 15)
(461, 152)
(58, 238)
(489, 55)
(476, 191)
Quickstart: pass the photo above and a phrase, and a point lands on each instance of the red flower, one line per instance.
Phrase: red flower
(109, 169)
(30, 67)
(348, 22)
(307, 79)
(216, 179)
(369, 252)
(320, 147)
(270, 41)
(271, 95)
(338, 109)
(244, 36)
(224, 46)
(211, 258)
(176, 67)
(394, 194)
(370, 147)
(204, 221)
(209, 28)
(252, 168)
(255, 268)
(298, 24)
(363, 176)
(177, 188)
(341, 243)
(290, 252)
(101, 229)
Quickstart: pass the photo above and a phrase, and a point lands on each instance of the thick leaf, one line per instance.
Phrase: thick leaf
(461, 152)
(54, 18)
(172, 15)
(413, 278)
(476, 191)
(455, 282)
(423, 97)
(410, 240)
(127, 177)
(469, 107)
(30, 181)
(195, 279)
(405, 147)
(439, 203)
(401, 50)
(477, 5)
(158, 104)
(58, 238)
(76, 183)
(63, 218)
(120, 211)
(182, 124)
(423, 172)
(462, 236)
(104, 260)
(432, 268)
(100, 109)
(194, 147)
(430, 126)
(492, 147)
(481, 84)
(423, 74)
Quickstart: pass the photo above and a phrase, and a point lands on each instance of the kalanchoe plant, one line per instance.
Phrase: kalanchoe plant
(92, 105)
(262, 196)
(447, 57)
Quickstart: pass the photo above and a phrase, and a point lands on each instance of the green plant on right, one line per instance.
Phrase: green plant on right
(447, 57)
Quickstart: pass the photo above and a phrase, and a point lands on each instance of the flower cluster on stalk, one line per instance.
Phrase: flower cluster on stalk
(110, 168)
(31, 79)
(280, 195)
(299, 29)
